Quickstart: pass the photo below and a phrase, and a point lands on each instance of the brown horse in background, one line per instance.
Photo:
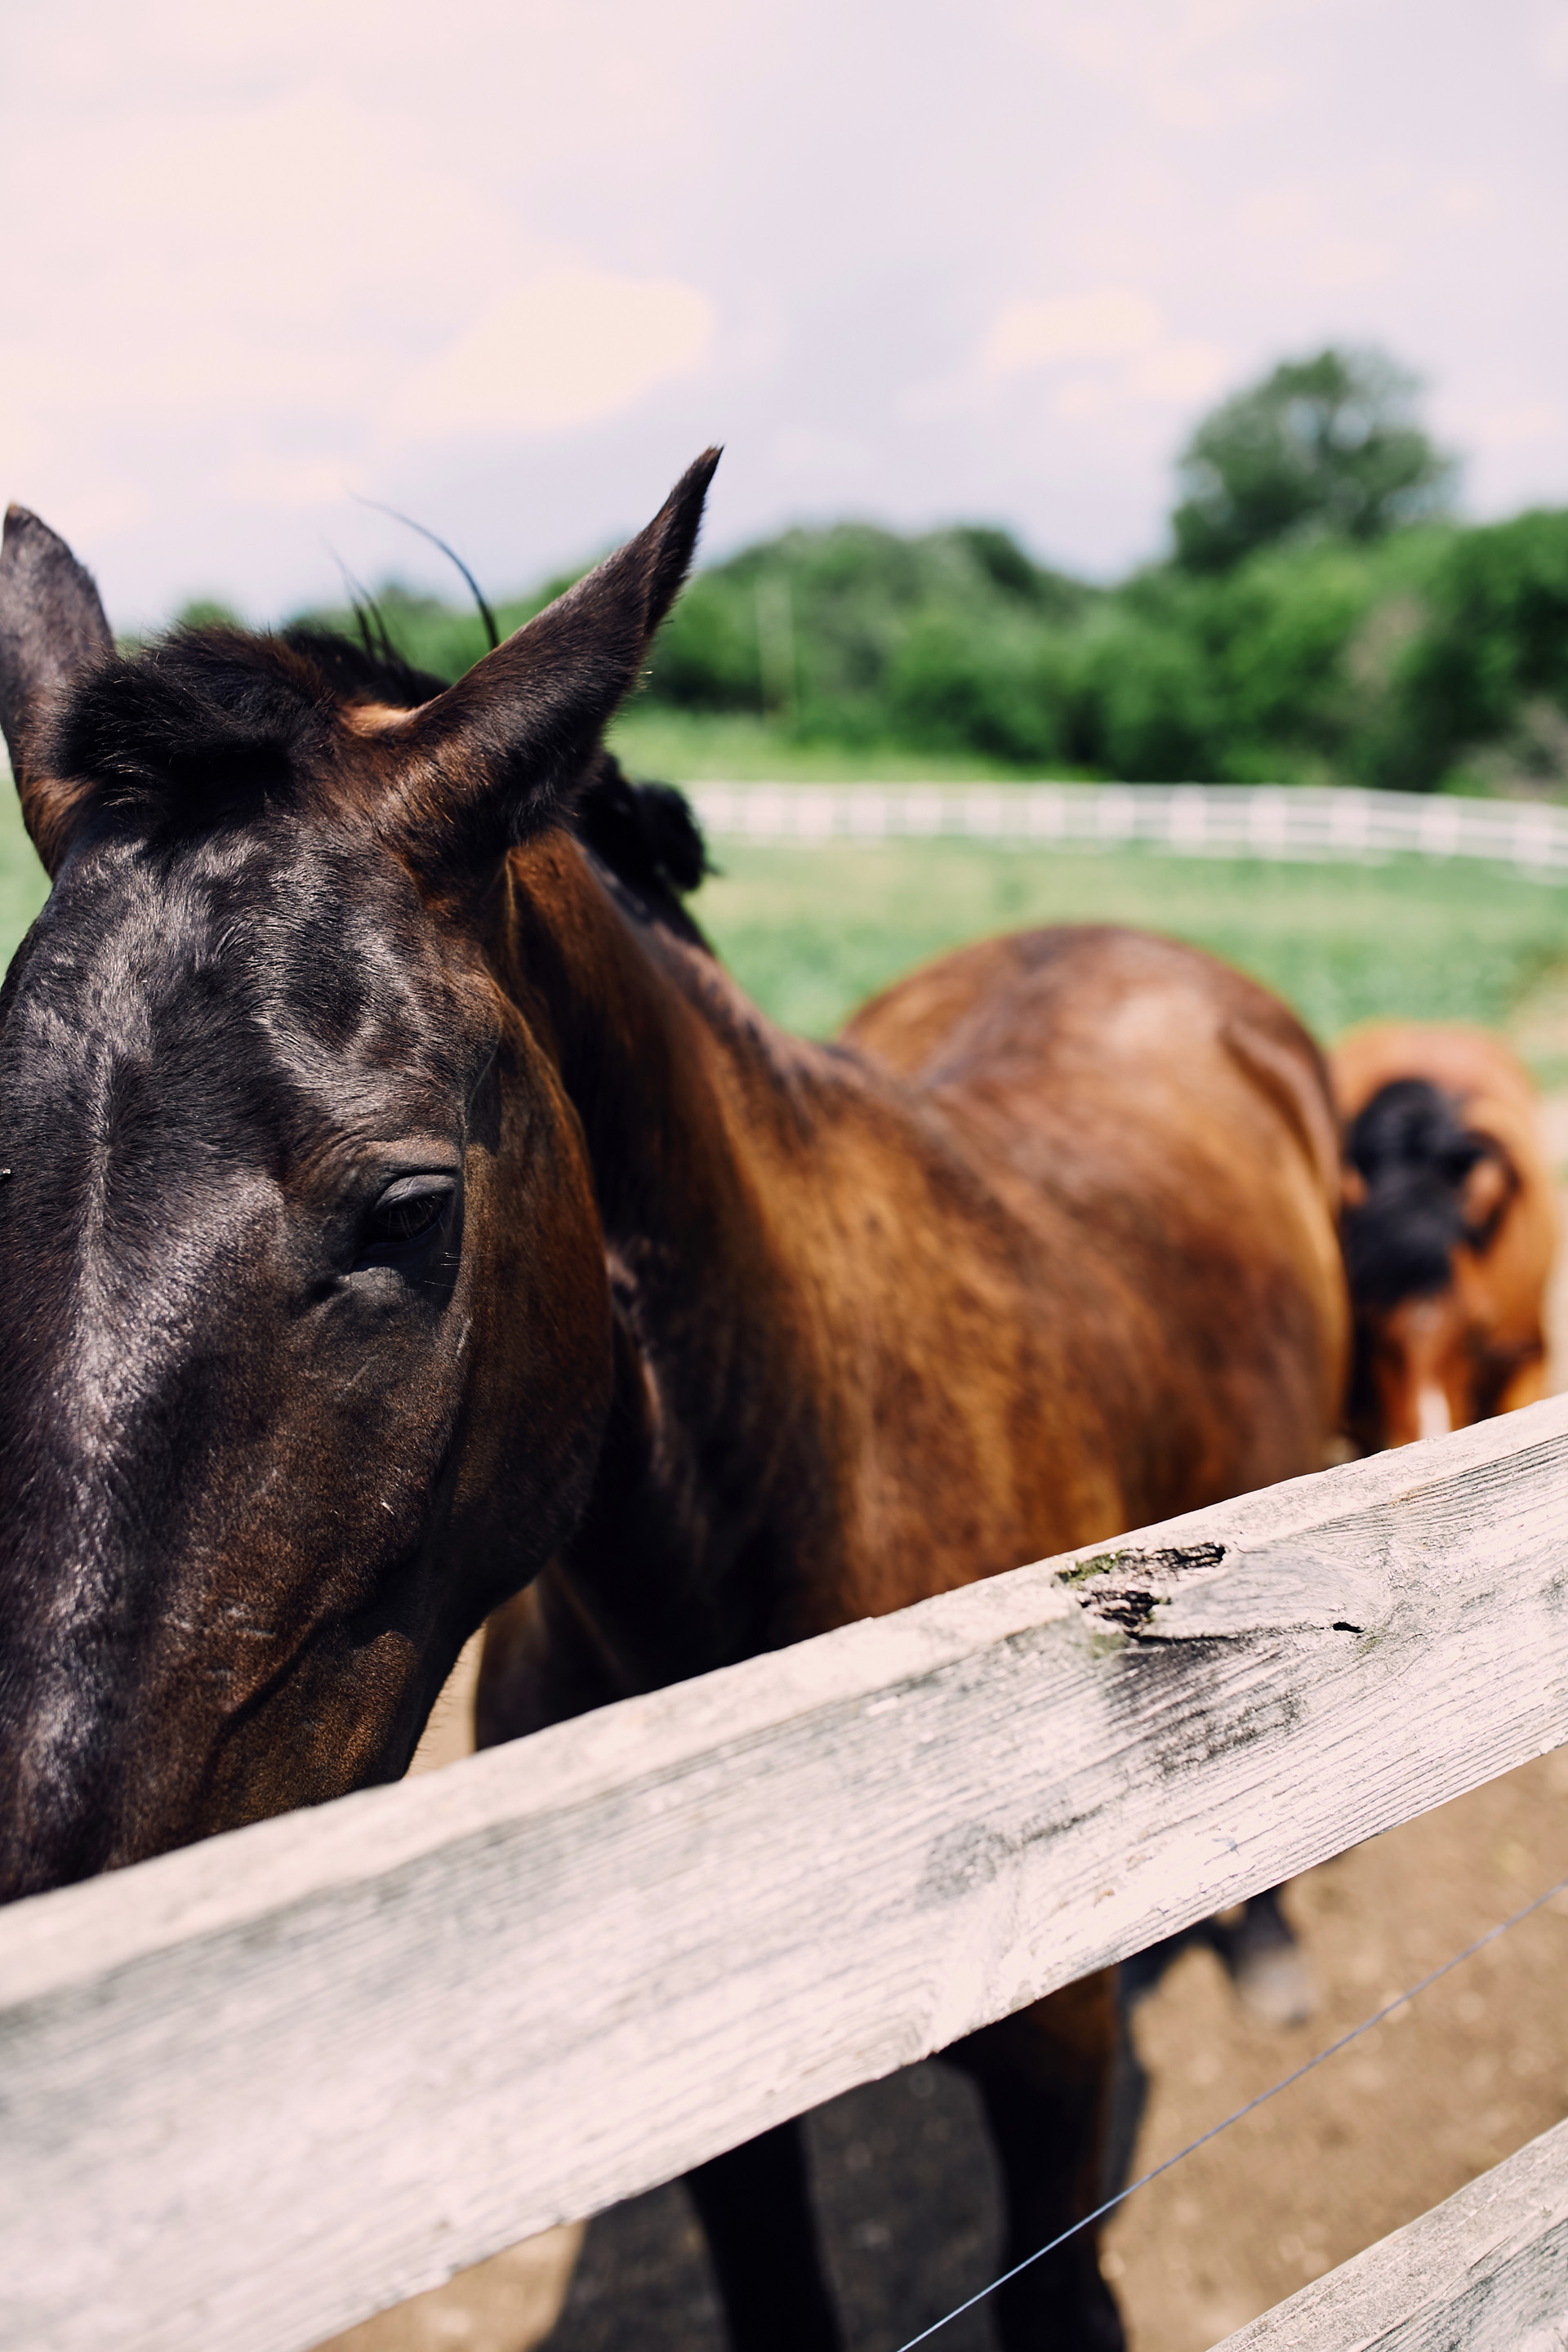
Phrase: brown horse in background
(1450, 1228)
(404, 1212)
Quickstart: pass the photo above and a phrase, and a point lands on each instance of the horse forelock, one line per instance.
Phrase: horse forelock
(207, 730)
(209, 727)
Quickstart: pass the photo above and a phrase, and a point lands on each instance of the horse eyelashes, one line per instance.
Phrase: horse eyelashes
(407, 1220)
(409, 1212)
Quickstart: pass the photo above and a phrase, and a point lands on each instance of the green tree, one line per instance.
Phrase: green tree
(1493, 655)
(1327, 444)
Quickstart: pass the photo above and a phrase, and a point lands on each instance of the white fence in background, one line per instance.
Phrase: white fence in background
(1272, 821)
(253, 2090)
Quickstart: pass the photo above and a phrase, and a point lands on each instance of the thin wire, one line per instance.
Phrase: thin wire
(1215, 2129)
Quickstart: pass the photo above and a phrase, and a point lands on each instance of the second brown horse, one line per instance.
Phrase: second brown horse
(1450, 1228)
(403, 1209)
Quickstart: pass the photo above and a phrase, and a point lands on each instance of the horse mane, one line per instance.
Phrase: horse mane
(206, 723)
(1413, 1153)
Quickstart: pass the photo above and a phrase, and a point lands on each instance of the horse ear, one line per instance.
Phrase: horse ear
(1488, 1186)
(51, 628)
(493, 758)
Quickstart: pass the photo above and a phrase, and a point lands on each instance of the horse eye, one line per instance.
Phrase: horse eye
(408, 1211)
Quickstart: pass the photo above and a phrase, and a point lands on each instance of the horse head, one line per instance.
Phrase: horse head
(303, 1300)
(1427, 1193)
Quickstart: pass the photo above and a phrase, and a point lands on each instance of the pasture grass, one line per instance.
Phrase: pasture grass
(23, 886)
(811, 932)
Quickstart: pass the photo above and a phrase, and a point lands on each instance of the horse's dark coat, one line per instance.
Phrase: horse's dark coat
(407, 1214)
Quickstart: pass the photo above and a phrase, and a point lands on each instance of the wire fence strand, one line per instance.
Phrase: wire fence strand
(1214, 2131)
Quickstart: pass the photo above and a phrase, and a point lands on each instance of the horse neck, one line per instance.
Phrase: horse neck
(694, 1110)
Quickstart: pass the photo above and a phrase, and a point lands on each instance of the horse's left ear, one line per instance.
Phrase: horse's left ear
(493, 758)
(52, 628)
(1488, 1188)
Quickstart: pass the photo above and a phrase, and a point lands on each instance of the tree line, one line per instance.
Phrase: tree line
(1320, 617)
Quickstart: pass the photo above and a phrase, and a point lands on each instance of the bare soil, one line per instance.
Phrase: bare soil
(1452, 2083)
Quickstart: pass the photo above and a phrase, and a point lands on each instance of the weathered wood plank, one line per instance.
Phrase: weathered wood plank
(253, 2090)
(1487, 2269)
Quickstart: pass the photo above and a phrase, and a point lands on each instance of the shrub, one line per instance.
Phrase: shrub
(1497, 641)
(1146, 703)
(961, 685)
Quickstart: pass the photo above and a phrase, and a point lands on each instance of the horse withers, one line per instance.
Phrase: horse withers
(405, 1212)
(1451, 1226)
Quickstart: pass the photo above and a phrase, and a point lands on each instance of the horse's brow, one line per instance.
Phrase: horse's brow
(351, 1152)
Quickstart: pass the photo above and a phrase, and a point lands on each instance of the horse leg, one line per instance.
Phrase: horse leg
(1045, 2078)
(1266, 1963)
(754, 2204)
(1129, 2096)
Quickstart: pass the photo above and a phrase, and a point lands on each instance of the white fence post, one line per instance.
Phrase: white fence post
(1246, 820)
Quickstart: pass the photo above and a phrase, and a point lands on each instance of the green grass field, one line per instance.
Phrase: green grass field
(811, 932)
(23, 886)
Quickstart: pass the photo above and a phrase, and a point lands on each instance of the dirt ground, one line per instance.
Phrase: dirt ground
(1454, 2082)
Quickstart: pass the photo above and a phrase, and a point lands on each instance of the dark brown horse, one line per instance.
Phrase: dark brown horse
(403, 1213)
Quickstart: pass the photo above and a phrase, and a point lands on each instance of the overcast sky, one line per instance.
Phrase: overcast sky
(508, 267)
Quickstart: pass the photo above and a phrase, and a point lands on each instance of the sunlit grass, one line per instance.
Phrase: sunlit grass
(811, 932)
(23, 884)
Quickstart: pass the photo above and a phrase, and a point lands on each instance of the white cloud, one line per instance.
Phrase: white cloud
(1189, 102)
(1137, 38)
(1183, 371)
(1191, 64)
(1029, 334)
(820, 456)
(1552, 41)
(1515, 425)
(987, 261)
(570, 346)
(261, 477)
(1117, 342)
(1346, 262)
(22, 437)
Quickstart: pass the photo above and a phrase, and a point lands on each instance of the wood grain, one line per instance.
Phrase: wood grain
(1487, 2269)
(255, 2090)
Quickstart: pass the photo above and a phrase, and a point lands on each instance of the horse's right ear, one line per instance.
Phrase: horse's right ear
(51, 629)
(495, 758)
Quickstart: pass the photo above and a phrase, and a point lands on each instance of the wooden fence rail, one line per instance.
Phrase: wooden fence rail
(255, 2090)
(1269, 821)
(1487, 2270)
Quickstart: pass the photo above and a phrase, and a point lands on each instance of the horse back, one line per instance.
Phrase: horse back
(1163, 1126)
